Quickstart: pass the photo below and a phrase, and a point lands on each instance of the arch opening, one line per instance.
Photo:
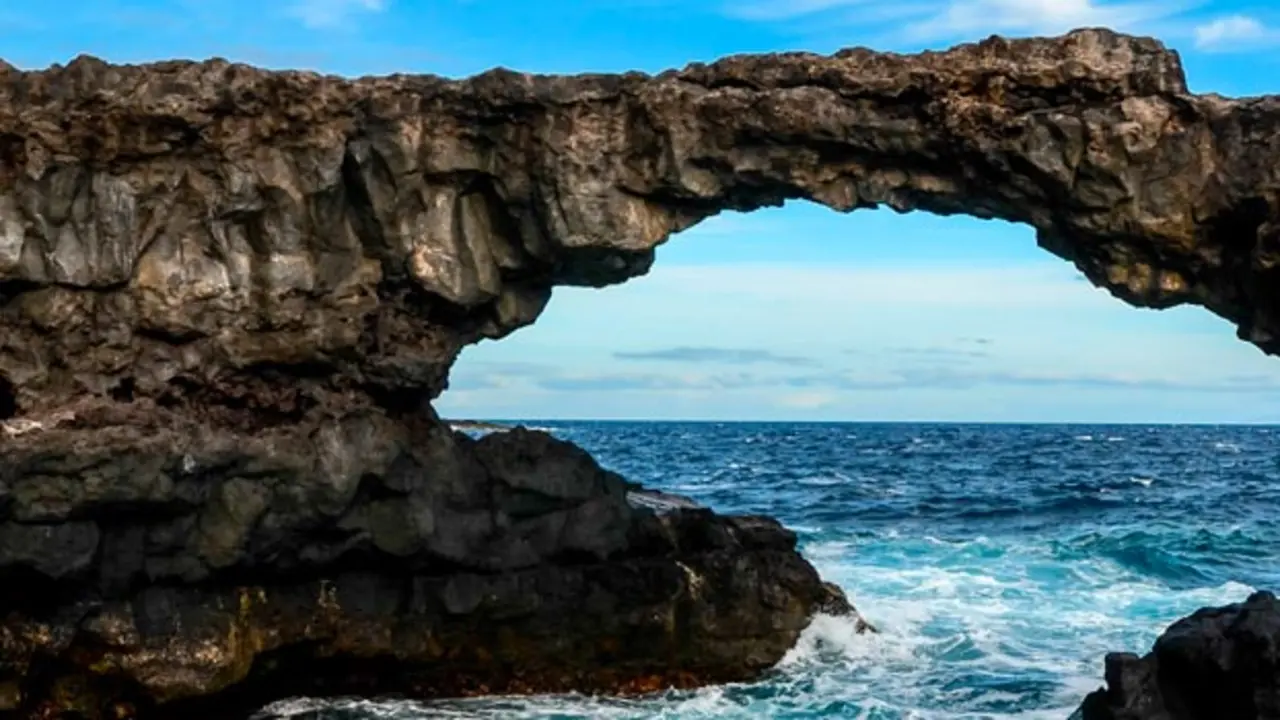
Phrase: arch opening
(975, 532)
(798, 312)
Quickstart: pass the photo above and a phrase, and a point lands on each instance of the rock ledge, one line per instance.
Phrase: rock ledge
(151, 572)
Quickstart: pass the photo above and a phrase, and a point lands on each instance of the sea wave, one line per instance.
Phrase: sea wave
(1000, 564)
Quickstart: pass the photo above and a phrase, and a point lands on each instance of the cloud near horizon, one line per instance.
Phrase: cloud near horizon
(940, 353)
(548, 378)
(913, 339)
(964, 349)
(715, 355)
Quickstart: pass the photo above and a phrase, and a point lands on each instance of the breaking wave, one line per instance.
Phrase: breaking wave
(1000, 563)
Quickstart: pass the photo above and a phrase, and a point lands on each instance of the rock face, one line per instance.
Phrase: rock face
(1217, 664)
(252, 244)
(228, 296)
(151, 567)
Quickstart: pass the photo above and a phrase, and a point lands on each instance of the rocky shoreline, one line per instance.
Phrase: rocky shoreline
(174, 571)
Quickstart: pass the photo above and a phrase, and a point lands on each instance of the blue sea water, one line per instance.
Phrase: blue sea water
(1000, 562)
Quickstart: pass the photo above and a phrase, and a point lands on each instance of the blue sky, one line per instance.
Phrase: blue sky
(791, 313)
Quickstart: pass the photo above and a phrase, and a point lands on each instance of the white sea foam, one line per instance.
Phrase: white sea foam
(834, 636)
(828, 480)
(806, 529)
(940, 607)
(933, 623)
(970, 627)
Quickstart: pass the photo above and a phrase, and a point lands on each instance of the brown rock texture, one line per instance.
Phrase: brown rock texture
(214, 235)
(228, 296)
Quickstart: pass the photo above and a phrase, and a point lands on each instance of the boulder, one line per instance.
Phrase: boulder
(1217, 664)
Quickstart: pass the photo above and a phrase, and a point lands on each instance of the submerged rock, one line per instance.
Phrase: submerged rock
(1218, 664)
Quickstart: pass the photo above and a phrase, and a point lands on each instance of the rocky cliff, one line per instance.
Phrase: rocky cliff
(227, 297)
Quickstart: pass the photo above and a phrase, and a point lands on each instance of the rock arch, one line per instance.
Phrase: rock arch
(209, 223)
(227, 297)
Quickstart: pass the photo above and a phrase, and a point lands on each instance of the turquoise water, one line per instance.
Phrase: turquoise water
(1000, 562)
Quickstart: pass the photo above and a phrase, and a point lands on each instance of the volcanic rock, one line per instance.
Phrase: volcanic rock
(253, 243)
(1218, 664)
(228, 296)
(172, 571)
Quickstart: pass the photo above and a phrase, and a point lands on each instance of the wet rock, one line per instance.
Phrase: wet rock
(1218, 664)
(258, 584)
(659, 502)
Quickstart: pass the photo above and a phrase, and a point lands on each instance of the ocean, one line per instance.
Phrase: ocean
(1000, 562)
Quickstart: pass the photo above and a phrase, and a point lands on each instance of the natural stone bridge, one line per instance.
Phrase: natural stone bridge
(228, 295)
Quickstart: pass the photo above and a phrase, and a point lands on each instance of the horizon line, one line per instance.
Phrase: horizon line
(1128, 423)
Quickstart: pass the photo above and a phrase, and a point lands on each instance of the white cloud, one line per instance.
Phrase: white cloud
(806, 400)
(1039, 17)
(1233, 32)
(1049, 284)
(319, 14)
(784, 9)
(1055, 348)
(928, 20)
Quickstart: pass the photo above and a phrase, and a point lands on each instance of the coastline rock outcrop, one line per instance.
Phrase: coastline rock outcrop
(228, 296)
(1217, 664)
(203, 575)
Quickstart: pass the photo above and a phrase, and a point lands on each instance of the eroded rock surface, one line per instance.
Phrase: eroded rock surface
(227, 297)
(234, 239)
(1218, 664)
(162, 570)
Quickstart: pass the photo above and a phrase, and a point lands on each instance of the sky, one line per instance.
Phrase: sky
(794, 313)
